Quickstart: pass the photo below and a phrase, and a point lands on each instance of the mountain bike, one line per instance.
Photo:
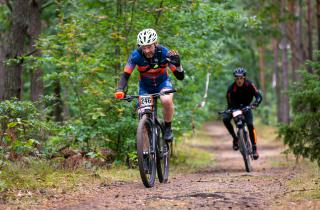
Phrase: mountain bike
(152, 149)
(242, 134)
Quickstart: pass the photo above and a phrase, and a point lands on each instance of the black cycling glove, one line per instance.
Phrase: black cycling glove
(175, 60)
(255, 104)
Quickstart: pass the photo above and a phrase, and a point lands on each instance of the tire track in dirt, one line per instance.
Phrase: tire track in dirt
(224, 185)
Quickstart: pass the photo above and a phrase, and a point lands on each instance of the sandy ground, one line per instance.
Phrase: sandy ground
(224, 185)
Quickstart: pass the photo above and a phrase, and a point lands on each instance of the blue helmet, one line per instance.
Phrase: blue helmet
(239, 72)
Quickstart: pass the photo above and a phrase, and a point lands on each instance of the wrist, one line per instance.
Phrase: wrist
(119, 90)
(179, 68)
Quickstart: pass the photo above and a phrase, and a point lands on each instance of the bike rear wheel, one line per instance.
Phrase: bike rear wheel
(163, 156)
(145, 150)
(244, 150)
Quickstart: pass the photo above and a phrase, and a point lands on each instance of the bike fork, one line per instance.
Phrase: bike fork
(153, 140)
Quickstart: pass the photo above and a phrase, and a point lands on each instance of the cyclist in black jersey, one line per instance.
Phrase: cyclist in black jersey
(239, 95)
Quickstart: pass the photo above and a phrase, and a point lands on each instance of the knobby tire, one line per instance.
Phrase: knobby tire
(146, 162)
(244, 151)
(163, 155)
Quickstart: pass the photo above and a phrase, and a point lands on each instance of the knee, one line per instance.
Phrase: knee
(167, 102)
(250, 126)
(226, 120)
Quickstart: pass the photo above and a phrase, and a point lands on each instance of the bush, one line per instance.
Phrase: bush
(22, 128)
(303, 134)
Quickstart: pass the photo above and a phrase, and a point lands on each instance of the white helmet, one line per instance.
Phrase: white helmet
(146, 37)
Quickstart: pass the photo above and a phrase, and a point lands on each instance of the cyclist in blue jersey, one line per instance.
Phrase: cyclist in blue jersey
(152, 61)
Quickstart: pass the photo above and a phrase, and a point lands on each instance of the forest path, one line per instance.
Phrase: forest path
(224, 185)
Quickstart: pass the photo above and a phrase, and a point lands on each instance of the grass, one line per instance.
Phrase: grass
(266, 132)
(188, 157)
(26, 183)
(305, 185)
(29, 181)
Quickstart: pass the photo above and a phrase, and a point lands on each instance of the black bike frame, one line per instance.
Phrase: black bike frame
(239, 119)
(147, 110)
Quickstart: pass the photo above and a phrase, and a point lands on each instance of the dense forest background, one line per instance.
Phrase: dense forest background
(61, 61)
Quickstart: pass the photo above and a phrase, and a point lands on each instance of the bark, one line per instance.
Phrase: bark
(277, 77)
(117, 64)
(13, 48)
(25, 24)
(285, 79)
(58, 105)
(1, 62)
(1, 71)
(301, 54)
(318, 24)
(262, 72)
(66, 111)
(293, 38)
(276, 71)
(309, 32)
(34, 30)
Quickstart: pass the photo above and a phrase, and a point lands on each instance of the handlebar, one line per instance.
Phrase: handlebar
(129, 98)
(229, 111)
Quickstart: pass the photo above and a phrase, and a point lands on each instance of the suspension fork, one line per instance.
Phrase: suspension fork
(155, 134)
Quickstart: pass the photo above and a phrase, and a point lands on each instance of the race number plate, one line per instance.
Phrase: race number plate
(145, 102)
(236, 113)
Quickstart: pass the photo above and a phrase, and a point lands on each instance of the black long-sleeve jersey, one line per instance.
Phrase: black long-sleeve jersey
(239, 97)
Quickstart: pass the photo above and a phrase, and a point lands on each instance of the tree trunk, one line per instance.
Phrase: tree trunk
(262, 72)
(309, 32)
(13, 47)
(283, 46)
(277, 78)
(34, 30)
(300, 47)
(2, 58)
(66, 111)
(318, 23)
(58, 106)
(1, 71)
(293, 39)
(117, 64)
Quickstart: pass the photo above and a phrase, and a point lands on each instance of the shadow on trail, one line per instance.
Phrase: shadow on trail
(224, 184)
(225, 171)
(213, 148)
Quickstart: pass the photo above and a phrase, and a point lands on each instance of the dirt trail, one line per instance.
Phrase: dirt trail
(222, 186)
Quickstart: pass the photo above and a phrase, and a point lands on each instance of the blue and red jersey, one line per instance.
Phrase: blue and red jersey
(153, 72)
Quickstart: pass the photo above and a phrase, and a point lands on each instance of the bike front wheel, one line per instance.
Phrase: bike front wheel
(163, 156)
(146, 151)
(244, 150)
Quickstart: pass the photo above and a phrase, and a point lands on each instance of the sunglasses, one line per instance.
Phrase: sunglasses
(239, 78)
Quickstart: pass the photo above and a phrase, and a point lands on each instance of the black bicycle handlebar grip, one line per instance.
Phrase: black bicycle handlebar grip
(169, 91)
